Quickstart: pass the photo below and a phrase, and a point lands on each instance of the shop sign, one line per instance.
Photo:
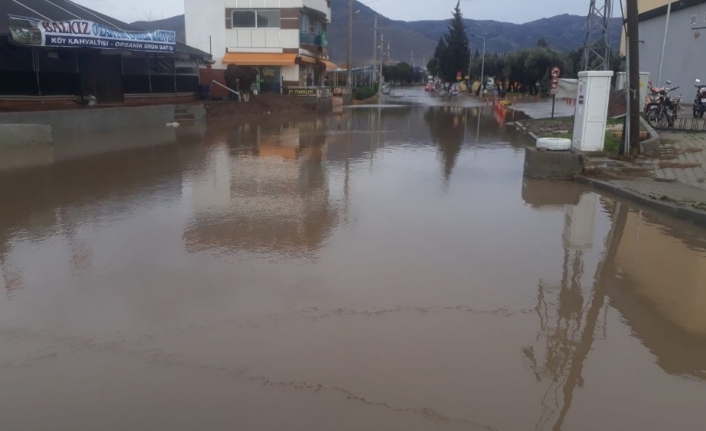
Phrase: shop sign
(269, 72)
(82, 34)
(301, 91)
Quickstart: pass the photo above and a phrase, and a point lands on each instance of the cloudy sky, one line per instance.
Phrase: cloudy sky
(517, 11)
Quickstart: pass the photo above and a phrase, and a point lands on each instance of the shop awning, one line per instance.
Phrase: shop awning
(255, 59)
(307, 59)
(329, 65)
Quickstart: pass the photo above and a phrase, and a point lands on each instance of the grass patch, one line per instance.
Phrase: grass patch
(612, 143)
(561, 135)
(615, 121)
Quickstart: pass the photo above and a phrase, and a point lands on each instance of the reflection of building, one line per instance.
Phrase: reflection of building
(284, 39)
(665, 273)
(273, 197)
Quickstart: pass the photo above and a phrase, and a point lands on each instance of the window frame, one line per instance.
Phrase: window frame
(694, 19)
(256, 13)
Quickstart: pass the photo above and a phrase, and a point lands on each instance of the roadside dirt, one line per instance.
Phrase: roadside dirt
(264, 104)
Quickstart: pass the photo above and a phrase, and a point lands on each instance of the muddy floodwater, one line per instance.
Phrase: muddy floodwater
(384, 268)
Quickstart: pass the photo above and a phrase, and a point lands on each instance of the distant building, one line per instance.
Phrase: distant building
(52, 51)
(644, 6)
(284, 39)
(684, 59)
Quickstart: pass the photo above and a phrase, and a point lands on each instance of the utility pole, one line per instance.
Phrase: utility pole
(388, 52)
(633, 42)
(375, 49)
(349, 81)
(382, 58)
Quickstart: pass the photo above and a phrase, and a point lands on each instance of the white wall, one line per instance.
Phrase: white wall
(684, 59)
(204, 19)
(320, 5)
(290, 73)
(272, 39)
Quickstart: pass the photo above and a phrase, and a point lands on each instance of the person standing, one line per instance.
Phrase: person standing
(309, 80)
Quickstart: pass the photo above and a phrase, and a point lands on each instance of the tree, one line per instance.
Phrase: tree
(433, 67)
(440, 54)
(457, 53)
(542, 43)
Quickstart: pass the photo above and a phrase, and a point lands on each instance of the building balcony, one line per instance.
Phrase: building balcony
(308, 38)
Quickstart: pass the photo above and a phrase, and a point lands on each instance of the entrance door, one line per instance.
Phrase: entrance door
(101, 75)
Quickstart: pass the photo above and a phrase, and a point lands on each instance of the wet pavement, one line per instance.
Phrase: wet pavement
(380, 268)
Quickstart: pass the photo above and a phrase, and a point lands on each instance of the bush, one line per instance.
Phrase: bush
(362, 93)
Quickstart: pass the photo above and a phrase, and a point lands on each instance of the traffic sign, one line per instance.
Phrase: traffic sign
(556, 72)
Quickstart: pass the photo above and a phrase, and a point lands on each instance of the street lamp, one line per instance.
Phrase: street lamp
(349, 72)
(482, 69)
(664, 43)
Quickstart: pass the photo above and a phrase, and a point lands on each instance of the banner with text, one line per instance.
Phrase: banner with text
(88, 34)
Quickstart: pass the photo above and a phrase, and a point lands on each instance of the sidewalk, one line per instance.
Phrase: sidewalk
(671, 179)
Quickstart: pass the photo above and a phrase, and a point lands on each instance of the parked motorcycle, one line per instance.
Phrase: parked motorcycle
(662, 110)
(700, 100)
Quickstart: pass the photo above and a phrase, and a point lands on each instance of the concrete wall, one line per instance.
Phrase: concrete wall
(24, 135)
(24, 145)
(96, 120)
(684, 59)
(198, 111)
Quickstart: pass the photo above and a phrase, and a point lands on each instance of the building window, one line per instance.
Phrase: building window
(704, 16)
(268, 18)
(256, 19)
(244, 19)
(693, 19)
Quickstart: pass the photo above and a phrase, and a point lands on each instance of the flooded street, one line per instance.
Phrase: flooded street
(386, 268)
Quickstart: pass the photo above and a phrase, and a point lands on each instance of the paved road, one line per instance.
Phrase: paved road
(417, 96)
(543, 109)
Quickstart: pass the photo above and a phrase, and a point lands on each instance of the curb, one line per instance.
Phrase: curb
(652, 143)
(683, 213)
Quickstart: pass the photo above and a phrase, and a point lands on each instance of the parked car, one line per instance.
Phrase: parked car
(429, 87)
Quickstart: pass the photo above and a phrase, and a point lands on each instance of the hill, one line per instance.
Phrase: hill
(563, 32)
(175, 23)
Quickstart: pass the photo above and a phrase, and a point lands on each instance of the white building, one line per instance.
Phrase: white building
(684, 59)
(282, 38)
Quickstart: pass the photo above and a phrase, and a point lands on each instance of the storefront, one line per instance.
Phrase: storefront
(44, 58)
(270, 79)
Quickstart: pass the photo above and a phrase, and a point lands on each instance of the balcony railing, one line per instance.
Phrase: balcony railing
(308, 38)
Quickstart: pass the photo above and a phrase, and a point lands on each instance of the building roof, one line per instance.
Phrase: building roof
(677, 5)
(64, 10)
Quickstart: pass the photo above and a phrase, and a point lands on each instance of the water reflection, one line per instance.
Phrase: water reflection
(331, 256)
(653, 279)
(265, 189)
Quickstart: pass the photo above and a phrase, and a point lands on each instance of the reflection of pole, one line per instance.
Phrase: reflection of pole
(612, 242)
(480, 111)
